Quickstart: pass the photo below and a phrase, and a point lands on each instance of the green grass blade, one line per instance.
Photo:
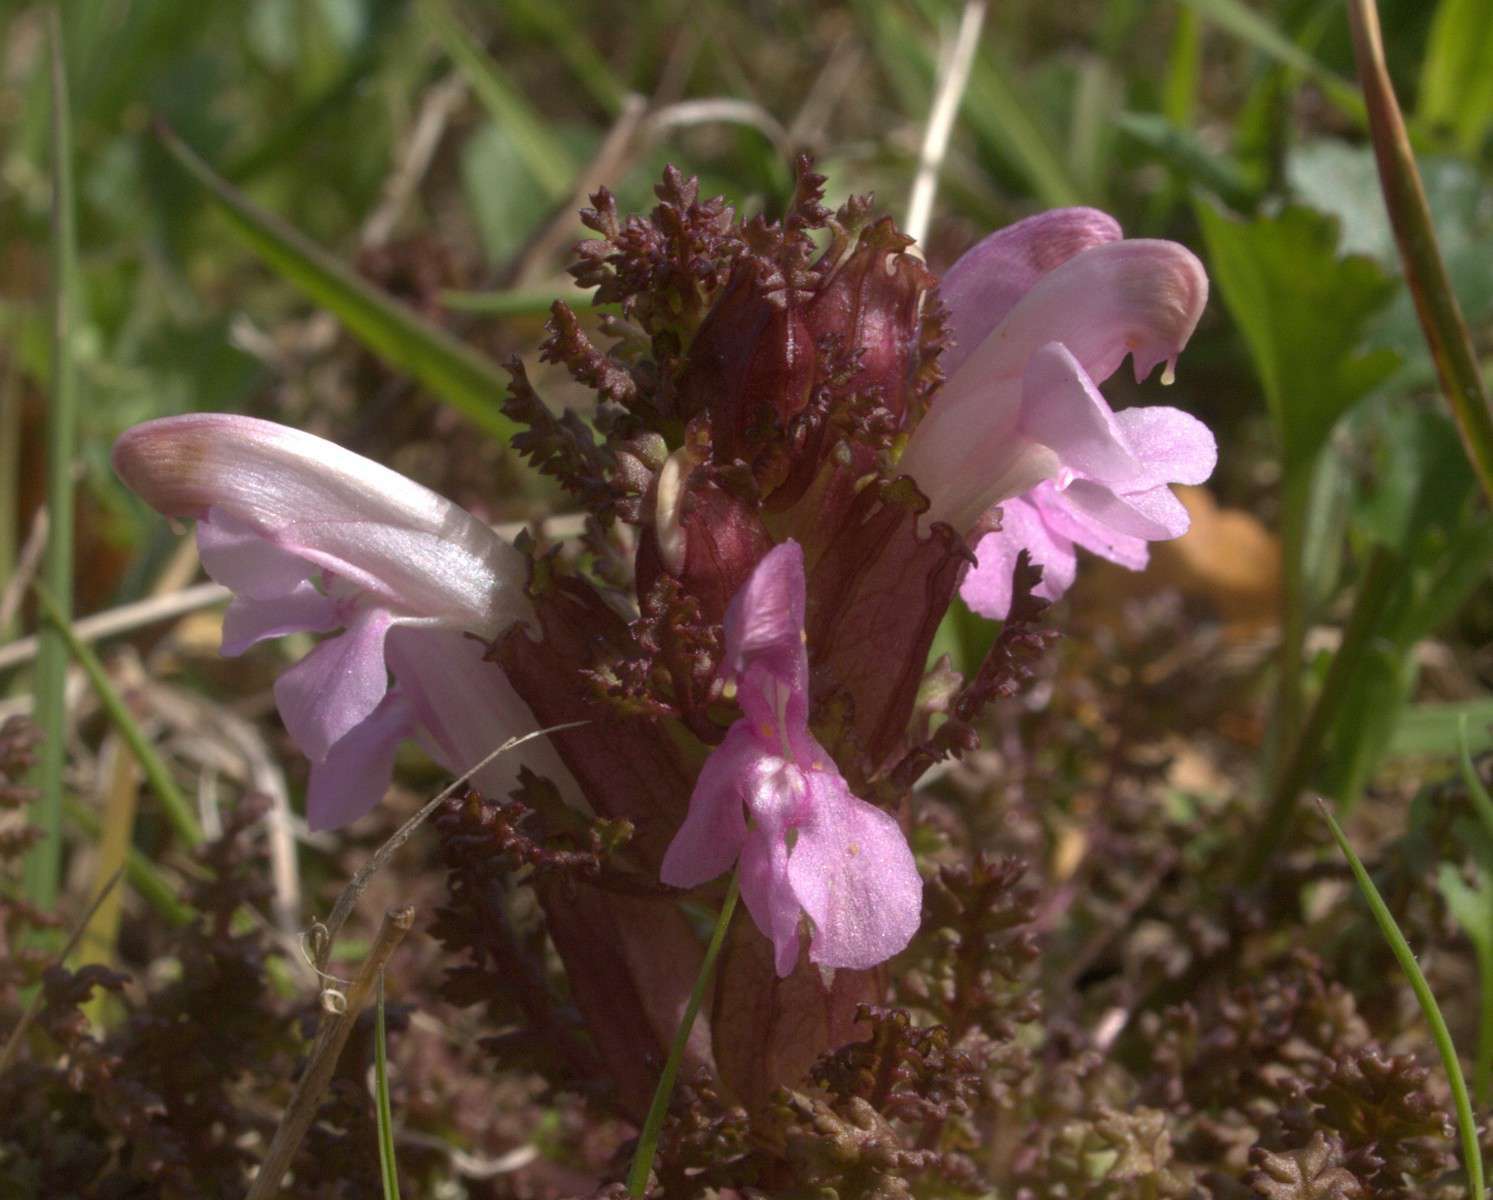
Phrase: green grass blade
(173, 804)
(1481, 801)
(1466, 1122)
(1184, 71)
(1431, 730)
(1456, 87)
(1255, 30)
(387, 1164)
(568, 39)
(10, 478)
(547, 158)
(44, 861)
(139, 871)
(642, 1162)
(455, 372)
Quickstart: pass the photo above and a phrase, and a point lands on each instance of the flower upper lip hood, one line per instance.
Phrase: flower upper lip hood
(1001, 424)
(312, 538)
(421, 554)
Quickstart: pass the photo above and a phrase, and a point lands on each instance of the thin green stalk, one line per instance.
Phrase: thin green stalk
(44, 862)
(642, 1163)
(1374, 591)
(1415, 235)
(12, 1045)
(174, 805)
(139, 871)
(387, 1165)
(10, 478)
(1482, 803)
(1482, 1065)
(1466, 1122)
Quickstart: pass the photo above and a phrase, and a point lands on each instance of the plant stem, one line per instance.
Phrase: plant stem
(174, 805)
(387, 1164)
(1374, 590)
(44, 862)
(1482, 803)
(1415, 235)
(330, 1040)
(642, 1163)
(1466, 1122)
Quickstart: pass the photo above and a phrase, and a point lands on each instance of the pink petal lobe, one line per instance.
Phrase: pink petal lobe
(301, 610)
(765, 651)
(715, 828)
(1068, 523)
(1153, 514)
(768, 895)
(988, 280)
(335, 687)
(987, 586)
(853, 873)
(355, 774)
(241, 558)
(465, 708)
(765, 619)
(1062, 409)
(1174, 446)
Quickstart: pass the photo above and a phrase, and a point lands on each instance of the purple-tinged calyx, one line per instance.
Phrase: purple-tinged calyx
(772, 797)
(313, 538)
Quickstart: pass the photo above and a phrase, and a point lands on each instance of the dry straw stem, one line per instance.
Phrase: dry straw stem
(953, 79)
(331, 1038)
(25, 571)
(1425, 271)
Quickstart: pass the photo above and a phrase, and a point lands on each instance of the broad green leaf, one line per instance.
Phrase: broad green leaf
(1418, 479)
(1302, 311)
(1343, 180)
(453, 371)
(1456, 84)
(1469, 906)
(504, 198)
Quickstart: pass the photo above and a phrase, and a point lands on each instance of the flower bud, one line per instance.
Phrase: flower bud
(870, 304)
(752, 363)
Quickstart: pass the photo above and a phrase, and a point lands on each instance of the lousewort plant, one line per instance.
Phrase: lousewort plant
(804, 445)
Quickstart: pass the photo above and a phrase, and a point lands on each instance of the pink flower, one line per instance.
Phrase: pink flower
(312, 538)
(1043, 311)
(771, 796)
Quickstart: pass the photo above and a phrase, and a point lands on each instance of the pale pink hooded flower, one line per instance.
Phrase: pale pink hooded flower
(1042, 312)
(312, 538)
(771, 796)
